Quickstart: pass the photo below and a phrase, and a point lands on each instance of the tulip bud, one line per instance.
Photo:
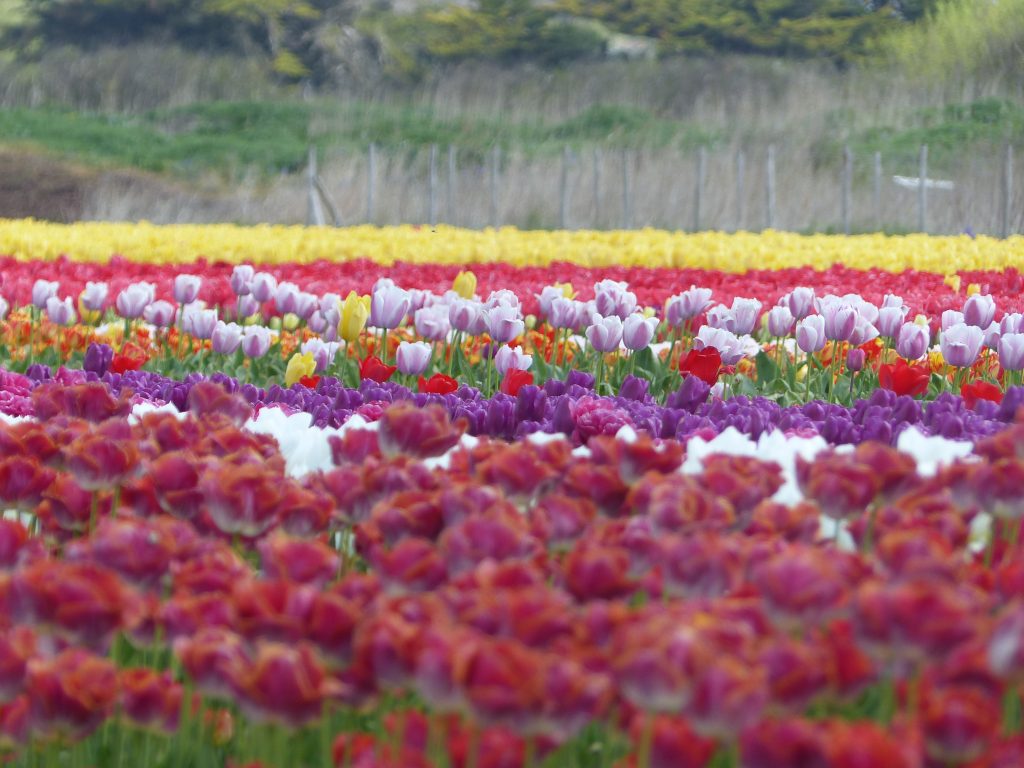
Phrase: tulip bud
(412, 357)
(465, 284)
(855, 359)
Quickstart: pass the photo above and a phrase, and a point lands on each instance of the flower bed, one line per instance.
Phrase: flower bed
(262, 518)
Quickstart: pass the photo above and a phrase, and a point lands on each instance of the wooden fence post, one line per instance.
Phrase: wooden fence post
(922, 190)
(702, 170)
(741, 171)
(371, 180)
(315, 212)
(770, 187)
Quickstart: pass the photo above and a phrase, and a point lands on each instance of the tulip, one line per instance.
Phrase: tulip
(729, 346)
(780, 321)
(863, 332)
(511, 358)
(305, 304)
(855, 359)
(159, 313)
(1011, 351)
(263, 287)
(93, 296)
(247, 306)
(413, 357)
(317, 322)
(388, 307)
(502, 298)
(504, 323)
(42, 290)
(4, 308)
(186, 288)
(1012, 322)
(241, 279)
(354, 312)
(464, 284)
(565, 313)
(98, 358)
(890, 319)
(687, 305)
(912, 341)
(638, 331)
(323, 352)
(979, 310)
(612, 298)
(745, 313)
(960, 344)
(60, 312)
(226, 338)
(432, 323)
(800, 302)
(992, 334)
(465, 316)
(950, 318)
(134, 299)
(199, 322)
(604, 333)
(840, 321)
(810, 334)
(546, 297)
(286, 298)
(301, 365)
(256, 341)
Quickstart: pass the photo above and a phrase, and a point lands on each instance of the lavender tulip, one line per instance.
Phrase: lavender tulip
(992, 334)
(43, 290)
(800, 302)
(611, 297)
(241, 279)
(60, 312)
(432, 322)
(186, 288)
(286, 298)
(780, 321)
(306, 304)
(263, 287)
(687, 305)
(545, 298)
(638, 331)
(950, 318)
(94, 296)
(729, 346)
(912, 341)
(465, 316)
(810, 334)
(855, 359)
(226, 338)
(863, 332)
(1011, 351)
(890, 319)
(502, 298)
(745, 313)
(604, 333)
(509, 358)
(1012, 322)
(504, 323)
(133, 300)
(979, 310)
(317, 323)
(159, 313)
(199, 323)
(4, 307)
(247, 306)
(565, 313)
(960, 344)
(840, 321)
(323, 352)
(891, 300)
(256, 341)
(388, 307)
(412, 357)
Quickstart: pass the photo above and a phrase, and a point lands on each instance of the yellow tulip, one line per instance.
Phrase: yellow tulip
(567, 290)
(973, 288)
(91, 316)
(921, 320)
(355, 311)
(300, 365)
(953, 282)
(465, 284)
(290, 321)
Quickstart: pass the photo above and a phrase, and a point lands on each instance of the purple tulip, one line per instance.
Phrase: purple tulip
(638, 331)
(263, 287)
(388, 307)
(60, 312)
(94, 296)
(504, 323)
(979, 310)
(912, 341)
(960, 344)
(800, 302)
(42, 290)
(810, 334)
(159, 313)
(199, 323)
(98, 358)
(509, 358)
(412, 357)
(780, 321)
(256, 341)
(466, 315)
(133, 300)
(186, 288)
(323, 352)
(241, 279)
(604, 333)
(226, 338)
(1011, 351)
(432, 322)
(687, 305)
(855, 359)
(840, 321)
(950, 318)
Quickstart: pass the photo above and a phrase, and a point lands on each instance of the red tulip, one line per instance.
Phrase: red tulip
(413, 565)
(23, 482)
(211, 656)
(17, 647)
(959, 723)
(438, 384)
(131, 359)
(151, 699)
(515, 380)
(705, 364)
(374, 369)
(73, 691)
(421, 432)
(904, 379)
(980, 390)
(776, 743)
(272, 610)
(281, 683)
(91, 401)
(207, 398)
(99, 462)
(300, 561)
(241, 500)
(140, 551)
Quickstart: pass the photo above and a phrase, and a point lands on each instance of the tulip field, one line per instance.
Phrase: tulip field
(433, 498)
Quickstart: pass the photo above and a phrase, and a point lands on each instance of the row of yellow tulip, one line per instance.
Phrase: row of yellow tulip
(144, 242)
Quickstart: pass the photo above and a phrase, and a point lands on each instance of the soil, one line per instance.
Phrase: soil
(37, 186)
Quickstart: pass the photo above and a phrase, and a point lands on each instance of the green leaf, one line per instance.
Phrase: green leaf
(767, 370)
